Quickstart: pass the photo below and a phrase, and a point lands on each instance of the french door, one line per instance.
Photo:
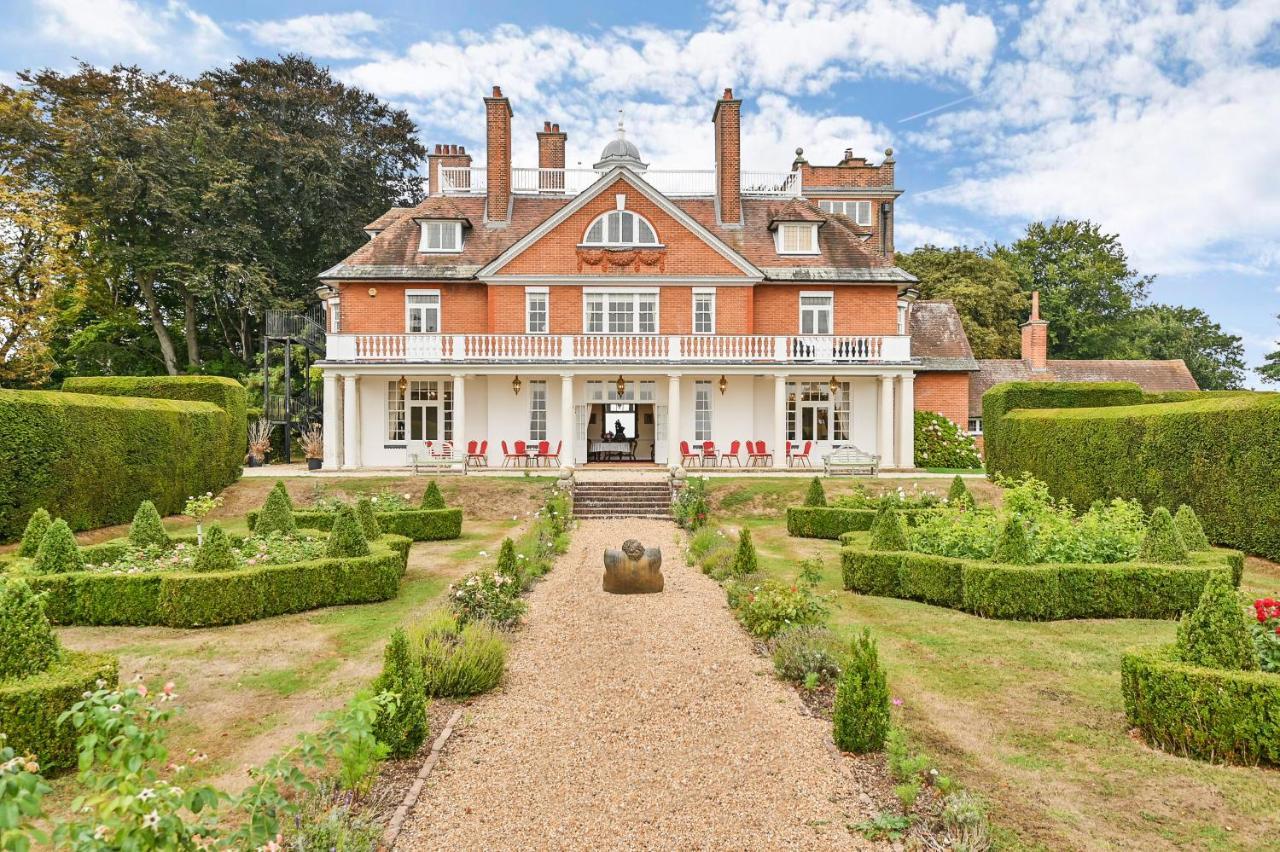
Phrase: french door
(426, 421)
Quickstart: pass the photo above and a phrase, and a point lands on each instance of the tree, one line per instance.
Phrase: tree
(1087, 288)
(984, 289)
(1270, 369)
(1165, 332)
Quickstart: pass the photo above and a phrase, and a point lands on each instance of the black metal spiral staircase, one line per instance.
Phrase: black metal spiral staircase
(294, 412)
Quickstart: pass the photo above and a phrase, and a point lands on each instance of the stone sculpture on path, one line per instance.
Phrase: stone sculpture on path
(633, 570)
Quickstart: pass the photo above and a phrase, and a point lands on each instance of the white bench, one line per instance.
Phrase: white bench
(850, 460)
(441, 458)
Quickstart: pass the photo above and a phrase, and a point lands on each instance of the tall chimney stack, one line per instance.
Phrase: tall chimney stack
(1035, 337)
(447, 155)
(551, 142)
(728, 130)
(498, 139)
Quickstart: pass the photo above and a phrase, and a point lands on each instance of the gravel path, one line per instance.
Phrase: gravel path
(641, 721)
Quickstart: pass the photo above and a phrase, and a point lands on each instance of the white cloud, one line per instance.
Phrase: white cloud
(125, 30)
(333, 36)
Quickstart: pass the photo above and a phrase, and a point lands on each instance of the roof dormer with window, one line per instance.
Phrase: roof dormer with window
(440, 236)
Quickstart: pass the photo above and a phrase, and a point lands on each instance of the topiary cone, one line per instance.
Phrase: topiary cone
(816, 495)
(432, 498)
(1013, 547)
(216, 554)
(860, 715)
(1214, 634)
(888, 530)
(28, 645)
(279, 486)
(368, 518)
(745, 562)
(404, 730)
(58, 552)
(147, 530)
(37, 526)
(507, 559)
(1188, 525)
(1163, 543)
(346, 537)
(276, 516)
(958, 495)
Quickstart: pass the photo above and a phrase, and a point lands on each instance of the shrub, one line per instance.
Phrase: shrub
(368, 519)
(432, 498)
(215, 553)
(458, 662)
(768, 607)
(815, 496)
(27, 642)
(284, 492)
(1266, 633)
(803, 652)
(507, 563)
(417, 524)
(147, 530)
(276, 515)
(690, 508)
(30, 707)
(745, 561)
(1012, 546)
(860, 717)
(1188, 525)
(1162, 543)
(958, 495)
(703, 542)
(888, 530)
(346, 538)
(1214, 634)
(487, 596)
(404, 729)
(718, 564)
(58, 552)
(37, 526)
(941, 443)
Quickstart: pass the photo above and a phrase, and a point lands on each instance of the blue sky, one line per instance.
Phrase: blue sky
(1159, 119)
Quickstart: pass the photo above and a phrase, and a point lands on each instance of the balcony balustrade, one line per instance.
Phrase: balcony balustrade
(620, 348)
(468, 180)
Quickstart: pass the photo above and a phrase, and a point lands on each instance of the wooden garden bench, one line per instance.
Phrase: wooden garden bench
(850, 460)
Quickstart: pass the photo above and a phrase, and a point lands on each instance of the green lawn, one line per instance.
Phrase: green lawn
(1030, 715)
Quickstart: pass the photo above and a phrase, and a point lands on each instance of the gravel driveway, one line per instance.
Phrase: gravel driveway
(641, 721)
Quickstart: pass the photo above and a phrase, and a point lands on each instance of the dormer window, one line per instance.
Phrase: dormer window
(440, 236)
(620, 228)
(858, 211)
(797, 238)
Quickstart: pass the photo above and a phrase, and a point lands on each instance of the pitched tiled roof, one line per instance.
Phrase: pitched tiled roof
(1151, 376)
(381, 223)
(937, 336)
(794, 210)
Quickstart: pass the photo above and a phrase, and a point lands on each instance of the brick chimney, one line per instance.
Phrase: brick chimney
(1035, 337)
(728, 121)
(551, 142)
(446, 155)
(498, 140)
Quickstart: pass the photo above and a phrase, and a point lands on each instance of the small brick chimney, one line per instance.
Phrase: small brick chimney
(498, 141)
(551, 141)
(446, 155)
(728, 122)
(1035, 337)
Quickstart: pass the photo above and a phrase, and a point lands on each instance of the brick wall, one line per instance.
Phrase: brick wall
(945, 393)
(859, 309)
(463, 307)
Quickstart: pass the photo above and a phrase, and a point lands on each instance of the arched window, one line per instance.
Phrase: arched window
(620, 228)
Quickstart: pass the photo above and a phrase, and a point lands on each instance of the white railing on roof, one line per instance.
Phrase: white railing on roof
(468, 180)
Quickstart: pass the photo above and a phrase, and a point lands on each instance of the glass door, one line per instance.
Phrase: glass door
(424, 421)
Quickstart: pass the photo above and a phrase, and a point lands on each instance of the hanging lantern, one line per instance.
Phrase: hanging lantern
(835, 386)
(724, 385)
(621, 386)
(516, 384)
(403, 385)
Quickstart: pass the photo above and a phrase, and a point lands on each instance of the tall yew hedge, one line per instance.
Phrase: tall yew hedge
(1218, 453)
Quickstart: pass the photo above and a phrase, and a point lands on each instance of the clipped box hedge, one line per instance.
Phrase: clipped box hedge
(1036, 592)
(1210, 714)
(417, 524)
(1217, 452)
(831, 522)
(199, 599)
(30, 707)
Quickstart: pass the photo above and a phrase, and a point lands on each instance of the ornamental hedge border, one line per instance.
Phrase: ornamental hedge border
(215, 598)
(417, 524)
(1036, 592)
(1218, 453)
(30, 707)
(831, 522)
(1210, 714)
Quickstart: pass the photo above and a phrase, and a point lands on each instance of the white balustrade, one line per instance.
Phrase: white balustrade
(469, 180)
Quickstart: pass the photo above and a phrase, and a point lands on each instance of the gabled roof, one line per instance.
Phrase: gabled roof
(1151, 376)
(794, 210)
(938, 339)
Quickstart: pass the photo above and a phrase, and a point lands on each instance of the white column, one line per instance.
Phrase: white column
(567, 423)
(906, 422)
(350, 423)
(884, 432)
(673, 420)
(460, 413)
(779, 421)
(332, 432)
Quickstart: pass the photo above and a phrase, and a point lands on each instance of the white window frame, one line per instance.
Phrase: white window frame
(335, 316)
(621, 214)
(859, 211)
(409, 308)
(708, 294)
(703, 411)
(424, 235)
(636, 294)
(830, 296)
(532, 294)
(538, 410)
(975, 426)
(779, 237)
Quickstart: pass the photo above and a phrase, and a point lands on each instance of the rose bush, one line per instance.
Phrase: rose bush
(1266, 633)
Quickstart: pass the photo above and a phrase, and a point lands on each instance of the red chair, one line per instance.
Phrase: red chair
(709, 453)
(543, 454)
(510, 459)
(477, 455)
(760, 456)
(686, 456)
(555, 457)
(522, 453)
(787, 454)
(802, 459)
(730, 458)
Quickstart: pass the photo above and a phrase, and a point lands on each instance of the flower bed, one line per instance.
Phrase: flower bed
(158, 591)
(416, 524)
(30, 707)
(1206, 713)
